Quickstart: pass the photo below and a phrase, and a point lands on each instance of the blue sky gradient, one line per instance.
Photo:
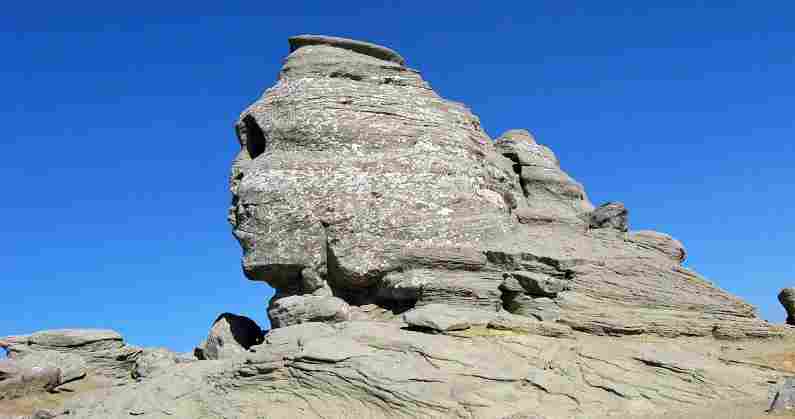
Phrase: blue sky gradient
(118, 136)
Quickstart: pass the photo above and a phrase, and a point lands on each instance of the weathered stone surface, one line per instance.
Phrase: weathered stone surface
(661, 242)
(612, 215)
(359, 169)
(76, 351)
(361, 47)
(377, 369)
(784, 398)
(530, 325)
(17, 380)
(542, 308)
(355, 179)
(297, 309)
(229, 336)
(551, 195)
(73, 367)
(787, 299)
(152, 362)
(538, 284)
(443, 318)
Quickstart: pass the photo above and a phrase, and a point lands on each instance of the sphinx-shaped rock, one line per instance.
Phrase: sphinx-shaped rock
(358, 186)
(351, 167)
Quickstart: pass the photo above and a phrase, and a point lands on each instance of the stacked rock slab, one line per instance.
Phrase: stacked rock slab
(552, 195)
(76, 352)
(356, 184)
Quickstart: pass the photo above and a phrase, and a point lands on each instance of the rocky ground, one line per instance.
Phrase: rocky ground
(423, 269)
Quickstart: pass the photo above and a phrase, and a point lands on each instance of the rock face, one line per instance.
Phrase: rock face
(787, 299)
(229, 336)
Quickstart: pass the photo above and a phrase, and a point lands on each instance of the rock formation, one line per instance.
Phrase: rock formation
(423, 270)
(787, 299)
(230, 335)
(357, 184)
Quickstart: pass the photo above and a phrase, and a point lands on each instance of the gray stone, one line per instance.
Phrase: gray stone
(538, 284)
(660, 242)
(77, 352)
(787, 299)
(436, 317)
(365, 48)
(613, 215)
(296, 309)
(529, 325)
(542, 308)
(784, 398)
(73, 367)
(551, 195)
(17, 380)
(152, 362)
(230, 336)
(356, 180)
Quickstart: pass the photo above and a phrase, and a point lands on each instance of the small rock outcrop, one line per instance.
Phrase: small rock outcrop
(612, 215)
(76, 352)
(154, 361)
(787, 299)
(783, 401)
(230, 335)
(552, 196)
(661, 242)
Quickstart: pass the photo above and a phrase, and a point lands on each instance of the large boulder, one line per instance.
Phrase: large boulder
(229, 336)
(787, 299)
(17, 380)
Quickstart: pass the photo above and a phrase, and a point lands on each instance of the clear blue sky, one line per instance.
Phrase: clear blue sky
(118, 134)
